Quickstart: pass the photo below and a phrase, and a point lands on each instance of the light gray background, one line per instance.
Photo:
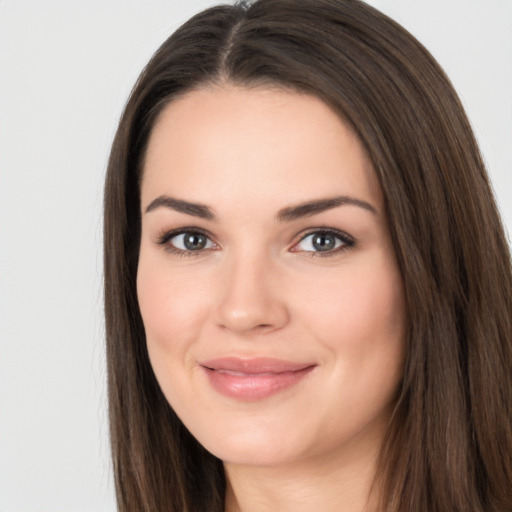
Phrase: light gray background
(66, 69)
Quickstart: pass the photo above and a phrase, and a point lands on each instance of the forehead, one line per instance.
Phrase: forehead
(223, 144)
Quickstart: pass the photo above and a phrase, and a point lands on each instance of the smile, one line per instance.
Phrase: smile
(253, 379)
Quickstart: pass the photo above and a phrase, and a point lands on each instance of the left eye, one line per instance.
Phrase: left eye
(323, 242)
(190, 241)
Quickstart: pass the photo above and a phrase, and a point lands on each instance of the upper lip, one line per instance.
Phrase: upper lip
(254, 365)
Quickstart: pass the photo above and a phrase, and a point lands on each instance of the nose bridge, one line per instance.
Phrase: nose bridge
(250, 298)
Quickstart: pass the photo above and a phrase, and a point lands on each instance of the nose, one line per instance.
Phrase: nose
(251, 300)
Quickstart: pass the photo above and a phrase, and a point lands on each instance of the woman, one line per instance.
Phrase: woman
(307, 284)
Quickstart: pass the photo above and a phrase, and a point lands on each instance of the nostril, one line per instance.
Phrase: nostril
(249, 302)
(263, 320)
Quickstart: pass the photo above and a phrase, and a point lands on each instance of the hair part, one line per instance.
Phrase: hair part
(449, 444)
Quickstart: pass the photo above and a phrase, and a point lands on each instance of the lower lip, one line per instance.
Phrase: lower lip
(254, 386)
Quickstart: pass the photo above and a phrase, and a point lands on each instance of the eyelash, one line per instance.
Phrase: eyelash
(165, 239)
(347, 242)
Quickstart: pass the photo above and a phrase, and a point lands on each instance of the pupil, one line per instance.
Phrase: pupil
(324, 242)
(194, 241)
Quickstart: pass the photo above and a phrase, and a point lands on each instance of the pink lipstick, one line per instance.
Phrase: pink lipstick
(253, 379)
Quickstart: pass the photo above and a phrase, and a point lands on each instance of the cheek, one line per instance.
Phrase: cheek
(171, 308)
(361, 311)
(361, 323)
(375, 307)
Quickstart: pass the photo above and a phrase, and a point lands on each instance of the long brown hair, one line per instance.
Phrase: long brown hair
(449, 443)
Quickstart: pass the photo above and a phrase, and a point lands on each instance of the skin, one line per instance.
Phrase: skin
(261, 288)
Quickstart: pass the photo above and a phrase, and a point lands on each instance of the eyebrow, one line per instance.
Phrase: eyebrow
(195, 209)
(287, 214)
(313, 207)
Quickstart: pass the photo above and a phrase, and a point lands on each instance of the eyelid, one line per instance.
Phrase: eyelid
(347, 240)
(164, 240)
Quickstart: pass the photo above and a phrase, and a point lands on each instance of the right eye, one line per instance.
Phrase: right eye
(186, 242)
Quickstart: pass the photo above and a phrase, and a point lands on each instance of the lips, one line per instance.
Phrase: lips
(253, 379)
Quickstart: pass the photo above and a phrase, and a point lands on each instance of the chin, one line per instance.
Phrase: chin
(261, 446)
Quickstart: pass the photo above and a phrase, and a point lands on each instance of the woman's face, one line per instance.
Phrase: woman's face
(267, 281)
